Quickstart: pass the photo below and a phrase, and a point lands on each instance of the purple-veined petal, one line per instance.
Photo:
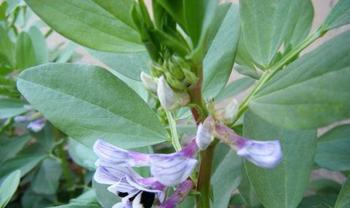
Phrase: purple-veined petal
(267, 154)
(111, 175)
(172, 169)
(117, 156)
(37, 125)
(180, 193)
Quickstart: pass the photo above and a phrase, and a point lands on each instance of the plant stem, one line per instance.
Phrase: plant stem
(199, 113)
(174, 136)
(268, 74)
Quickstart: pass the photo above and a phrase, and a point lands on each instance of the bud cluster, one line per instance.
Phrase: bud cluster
(169, 82)
(177, 72)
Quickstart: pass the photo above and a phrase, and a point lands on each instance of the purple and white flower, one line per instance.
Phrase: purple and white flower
(36, 121)
(114, 167)
(267, 154)
(130, 186)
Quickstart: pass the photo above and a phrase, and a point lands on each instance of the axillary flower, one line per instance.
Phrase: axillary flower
(265, 154)
(36, 120)
(115, 168)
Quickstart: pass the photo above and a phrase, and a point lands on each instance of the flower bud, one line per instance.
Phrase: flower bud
(148, 82)
(228, 113)
(266, 154)
(175, 83)
(190, 77)
(169, 99)
(204, 134)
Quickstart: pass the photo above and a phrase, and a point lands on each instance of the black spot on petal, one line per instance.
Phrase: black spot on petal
(147, 199)
(122, 194)
(133, 197)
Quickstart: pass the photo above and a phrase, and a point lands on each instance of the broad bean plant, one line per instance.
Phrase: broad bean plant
(158, 123)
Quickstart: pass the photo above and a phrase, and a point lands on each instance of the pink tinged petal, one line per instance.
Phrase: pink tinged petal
(266, 154)
(189, 150)
(37, 125)
(178, 196)
(117, 156)
(171, 169)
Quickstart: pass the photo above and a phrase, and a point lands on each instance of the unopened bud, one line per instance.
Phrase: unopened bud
(204, 134)
(190, 77)
(169, 99)
(227, 113)
(148, 82)
(174, 83)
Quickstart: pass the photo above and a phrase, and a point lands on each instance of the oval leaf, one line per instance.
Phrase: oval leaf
(219, 59)
(88, 103)
(8, 187)
(266, 25)
(339, 16)
(312, 91)
(87, 23)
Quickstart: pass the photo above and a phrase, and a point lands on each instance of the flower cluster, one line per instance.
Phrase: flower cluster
(115, 168)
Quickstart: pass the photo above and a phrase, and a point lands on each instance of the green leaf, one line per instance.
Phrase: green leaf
(312, 91)
(25, 52)
(39, 45)
(10, 147)
(104, 197)
(303, 24)
(8, 187)
(247, 192)
(121, 9)
(226, 179)
(283, 186)
(127, 64)
(33, 200)
(234, 88)
(24, 163)
(339, 16)
(89, 103)
(10, 107)
(333, 149)
(81, 154)
(7, 47)
(266, 25)
(219, 59)
(343, 200)
(46, 181)
(88, 23)
(85, 200)
(193, 16)
(318, 201)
